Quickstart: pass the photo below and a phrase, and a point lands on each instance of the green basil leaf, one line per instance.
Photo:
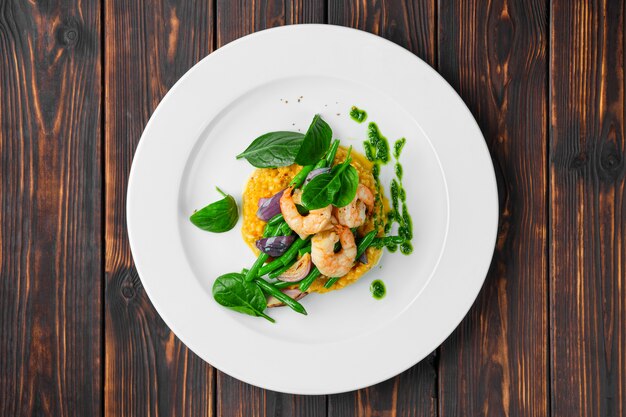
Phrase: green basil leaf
(217, 217)
(322, 190)
(316, 142)
(349, 180)
(274, 149)
(319, 192)
(234, 292)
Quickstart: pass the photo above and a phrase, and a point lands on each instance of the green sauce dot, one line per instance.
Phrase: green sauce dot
(358, 115)
(378, 290)
(406, 248)
(397, 147)
(391, 247)
(399, 171)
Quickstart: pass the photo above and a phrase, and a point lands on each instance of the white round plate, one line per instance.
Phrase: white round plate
(277, 80)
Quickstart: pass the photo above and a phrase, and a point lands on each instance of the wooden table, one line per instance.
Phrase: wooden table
(545, 80)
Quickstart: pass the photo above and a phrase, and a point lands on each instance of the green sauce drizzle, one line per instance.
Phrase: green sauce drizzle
(378, 290)
(397, 147)
(377, 151)
(357, 114)
(399, 171)
(406, 248)
(399, 212)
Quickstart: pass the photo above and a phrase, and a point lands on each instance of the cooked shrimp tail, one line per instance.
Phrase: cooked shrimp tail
(314, 222)
(323, 255)
(355, 213)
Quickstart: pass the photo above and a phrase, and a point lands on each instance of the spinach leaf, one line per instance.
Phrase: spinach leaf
(316, 142)
(274, 149)
(319, 192)
(234, 292)
(322, 190)
(349, 180)
(217, 217)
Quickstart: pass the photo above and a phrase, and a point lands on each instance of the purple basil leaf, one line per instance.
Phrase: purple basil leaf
(276, 245)
(269, 207)
(314, 174)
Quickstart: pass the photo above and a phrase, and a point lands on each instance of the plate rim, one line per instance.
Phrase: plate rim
(132, 179)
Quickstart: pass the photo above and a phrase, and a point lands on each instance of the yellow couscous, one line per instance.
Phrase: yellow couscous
(265, 182)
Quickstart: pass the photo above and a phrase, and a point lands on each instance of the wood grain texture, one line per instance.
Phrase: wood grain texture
(234, 20)
(237, 18)
(494, 54)
(412, 393)
(50, 209)
(411, 24)
(588, 212)
(149, 45)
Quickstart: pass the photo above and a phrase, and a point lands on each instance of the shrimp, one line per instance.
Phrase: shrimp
(323, 255)
(315, 221)
(355, 213)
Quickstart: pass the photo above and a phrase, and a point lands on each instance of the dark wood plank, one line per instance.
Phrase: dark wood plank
(149, 45)
(588, 210)
(494, 55)
(234, 20)
(412, 393)
(50, 209)
(411, 24)
(237, 18)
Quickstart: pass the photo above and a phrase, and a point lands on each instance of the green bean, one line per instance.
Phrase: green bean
(276, 273)
(277, 219)
(252, 273)
(285, 258)
(365, 243)
(299, 178)
(282, 229)
(270, 289)
(330, 155)
(331, 282)
(269, 230)
(326, 161)
(308, 280)
(283, 284)
(361, 248)
(302, 251)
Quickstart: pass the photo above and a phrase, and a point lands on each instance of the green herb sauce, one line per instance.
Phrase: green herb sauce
(357, 114)
(378, 290)
(378, 143)
(377, 150)
(397, 147)
(399, 212)
(399, 171)
(395, 194)
(406, 248)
